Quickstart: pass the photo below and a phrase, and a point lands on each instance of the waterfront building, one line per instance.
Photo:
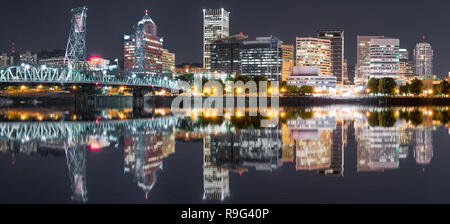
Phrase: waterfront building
(215, 26)
(423, 145)
(362, 68)
(168, 62)
(29, 58)
(189, 69)
(153, 47)
(53, 62)
(309, 75)
(216, 179)
(345, 75)
(287, 60)
(336, 38)
(262, 56)
(98, 63)
(314, 52)
(423, 58)
(384, 58)
(225, 54)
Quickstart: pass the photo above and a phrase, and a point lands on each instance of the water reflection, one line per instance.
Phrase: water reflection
(312, 139)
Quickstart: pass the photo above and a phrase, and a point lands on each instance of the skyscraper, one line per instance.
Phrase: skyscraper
(152, 49)
(406, 68)
(362, 68)
(215, 26)
(314, 52)
(225, 54)
(384, 58)
(287, 60)
(168, 62)
(423, 57)
(336, 38)
(262, 57)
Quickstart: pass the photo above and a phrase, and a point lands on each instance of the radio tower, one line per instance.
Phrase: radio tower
(76, 45)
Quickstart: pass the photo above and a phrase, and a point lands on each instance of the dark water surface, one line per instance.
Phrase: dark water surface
(335, 154)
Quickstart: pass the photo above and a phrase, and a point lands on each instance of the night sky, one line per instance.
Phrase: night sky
(44, 24)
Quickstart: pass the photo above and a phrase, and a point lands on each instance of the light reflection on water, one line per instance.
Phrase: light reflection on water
(304, 140)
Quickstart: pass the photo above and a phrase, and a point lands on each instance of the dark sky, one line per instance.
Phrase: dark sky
(44, 24)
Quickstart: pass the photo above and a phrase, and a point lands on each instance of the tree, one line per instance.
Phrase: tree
(306, 90)
(387, 86)
(416, 87)
(242, 78)
(443, 88)
(372, 85)
(405, 89)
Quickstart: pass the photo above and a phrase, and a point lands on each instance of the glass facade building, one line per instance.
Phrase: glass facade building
(215, 26)
(262, 56)
(314, 52)
(384, 58)
(423, 55)
(362, 68)
(225, 54)
(336, 38)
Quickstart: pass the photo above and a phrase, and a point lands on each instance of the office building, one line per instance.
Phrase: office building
(168, 62)
(215, 26)
(189, 69)
(314, 52)
(384, 58)
(153, 48)
(362, 68)
(336, 38)
(262, 57)
(423, 58)
(309, 75)
(29, 58)
(406, 67)
(287, 61)
(225, 54)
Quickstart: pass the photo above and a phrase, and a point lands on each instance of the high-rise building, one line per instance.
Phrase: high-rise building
(314, 52)
(152, 49)
(423, 58)
(362, 68)
(215, 25)
(225, 54)
(384, 58)
(345, 74)
(336, 38)
(168, 62)
(287, 61)
(6, 60)
(406, 68)
(262, 57)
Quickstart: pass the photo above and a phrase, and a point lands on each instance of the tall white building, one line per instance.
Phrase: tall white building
(216, 24)
(423, 58)
(362, 69)
(384, 58)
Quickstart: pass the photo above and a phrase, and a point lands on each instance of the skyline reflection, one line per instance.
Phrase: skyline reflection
(310, 139)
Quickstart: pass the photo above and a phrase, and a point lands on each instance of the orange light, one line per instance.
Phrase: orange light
(95, 59)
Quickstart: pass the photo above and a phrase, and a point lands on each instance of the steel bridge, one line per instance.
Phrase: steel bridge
(64, 75)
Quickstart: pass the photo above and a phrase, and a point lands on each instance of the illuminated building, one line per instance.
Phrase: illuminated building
(314, 52)
(288, 153)
(406, 68)
(384, 58)
(53, 62)
(262, 57)
(215, 26)
(153, 48)
(28, 58)
(98, 63)
(216, 180)
(189, 69)
(345, 73)
(287, 61)
(6, 60)
(309, 75)
(336, 38)
(423, 58)
(225, 54)
(168, 62)
(362, 69)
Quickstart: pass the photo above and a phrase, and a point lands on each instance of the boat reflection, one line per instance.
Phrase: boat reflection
(312, 139)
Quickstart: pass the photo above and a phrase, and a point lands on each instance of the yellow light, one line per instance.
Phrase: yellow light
(239, 114)
(22, 87)
(40, 118)
(40, 87)
(23, 117)
(74, 117)
(122, 88)
(283, 90)
(74, 87)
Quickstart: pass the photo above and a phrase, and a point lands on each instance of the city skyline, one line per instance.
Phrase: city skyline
(172, 23)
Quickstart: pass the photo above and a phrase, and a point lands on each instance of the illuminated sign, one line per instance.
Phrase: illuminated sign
(126, 37)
